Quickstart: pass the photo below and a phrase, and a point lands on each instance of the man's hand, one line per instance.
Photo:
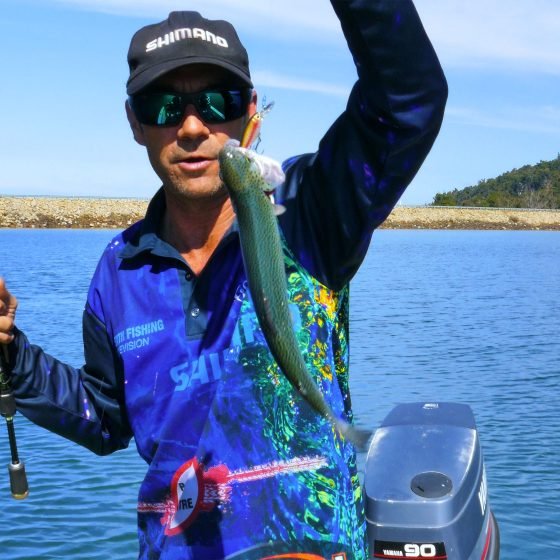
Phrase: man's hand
(8, 306)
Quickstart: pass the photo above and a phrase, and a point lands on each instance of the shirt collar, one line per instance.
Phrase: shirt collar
(148, 239)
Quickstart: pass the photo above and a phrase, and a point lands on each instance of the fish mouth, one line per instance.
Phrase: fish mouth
(229, 147)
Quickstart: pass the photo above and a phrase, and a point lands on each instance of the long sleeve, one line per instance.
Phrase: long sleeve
(85, 405)
(337, 196)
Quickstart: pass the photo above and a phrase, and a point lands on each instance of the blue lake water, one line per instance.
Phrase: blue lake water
(465, 316)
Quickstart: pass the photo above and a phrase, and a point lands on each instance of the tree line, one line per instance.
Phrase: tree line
(531, 186)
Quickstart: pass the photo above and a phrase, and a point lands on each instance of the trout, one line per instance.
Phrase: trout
(263, 259)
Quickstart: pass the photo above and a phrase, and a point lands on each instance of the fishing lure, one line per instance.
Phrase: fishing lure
(251, 134)
(268, 168)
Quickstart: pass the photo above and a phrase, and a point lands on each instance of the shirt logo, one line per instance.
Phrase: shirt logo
(137, 336)
(204, 369)
(195, 489)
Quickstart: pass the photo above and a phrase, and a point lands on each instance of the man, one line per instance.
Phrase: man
(239, 465)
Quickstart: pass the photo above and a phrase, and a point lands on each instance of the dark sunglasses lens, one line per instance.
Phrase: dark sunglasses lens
(221, 106)
(168, 109)
(158, 109)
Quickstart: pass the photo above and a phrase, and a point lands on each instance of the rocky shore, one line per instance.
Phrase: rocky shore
(437, 217)
(101, 213)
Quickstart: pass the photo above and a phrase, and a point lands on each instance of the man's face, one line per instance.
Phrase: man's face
(185, 157)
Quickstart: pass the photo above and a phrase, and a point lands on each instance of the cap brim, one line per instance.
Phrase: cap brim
(146, 77)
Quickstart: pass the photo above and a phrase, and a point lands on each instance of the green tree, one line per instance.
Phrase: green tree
(445, 199)
(531, 186)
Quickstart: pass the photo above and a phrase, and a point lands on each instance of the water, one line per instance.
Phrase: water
(471, 317)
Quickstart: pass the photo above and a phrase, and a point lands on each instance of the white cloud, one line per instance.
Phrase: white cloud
(282, 81)
(517, 34)
(541, 120)
(260, 16)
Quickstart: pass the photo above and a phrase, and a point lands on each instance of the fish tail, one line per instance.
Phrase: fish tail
(359, 438)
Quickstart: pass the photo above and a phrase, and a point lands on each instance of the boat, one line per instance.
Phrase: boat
(425, 486)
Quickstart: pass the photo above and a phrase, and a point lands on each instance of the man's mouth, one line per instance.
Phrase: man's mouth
(195, 163)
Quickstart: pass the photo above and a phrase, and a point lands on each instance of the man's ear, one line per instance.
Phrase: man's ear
(136, 127)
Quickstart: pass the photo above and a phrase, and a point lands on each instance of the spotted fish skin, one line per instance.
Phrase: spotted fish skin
(261, 248)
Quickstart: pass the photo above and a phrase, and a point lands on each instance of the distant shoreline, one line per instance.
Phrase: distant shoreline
(118, 213)
(439, 217)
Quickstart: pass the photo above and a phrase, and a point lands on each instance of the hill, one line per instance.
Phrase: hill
(531, 186)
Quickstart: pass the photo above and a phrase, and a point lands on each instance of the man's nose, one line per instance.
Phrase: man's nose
(192, 125)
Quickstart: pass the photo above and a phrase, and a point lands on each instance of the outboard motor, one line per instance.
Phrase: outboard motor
(425, 486)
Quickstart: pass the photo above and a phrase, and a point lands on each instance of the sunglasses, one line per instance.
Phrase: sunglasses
(156, 108)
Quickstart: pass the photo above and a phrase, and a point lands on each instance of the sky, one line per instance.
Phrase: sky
(63, 129)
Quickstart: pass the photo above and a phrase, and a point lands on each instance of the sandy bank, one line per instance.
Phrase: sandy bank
(472, 218)
(51, 212)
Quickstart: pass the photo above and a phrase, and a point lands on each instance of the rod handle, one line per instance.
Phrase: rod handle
(18, 481)
(7, 404)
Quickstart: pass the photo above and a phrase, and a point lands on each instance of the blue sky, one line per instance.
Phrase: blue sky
(63, 129)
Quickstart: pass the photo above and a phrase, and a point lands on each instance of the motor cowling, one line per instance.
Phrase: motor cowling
(425, 486)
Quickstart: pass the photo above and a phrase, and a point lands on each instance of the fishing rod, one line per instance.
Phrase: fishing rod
(18, 478)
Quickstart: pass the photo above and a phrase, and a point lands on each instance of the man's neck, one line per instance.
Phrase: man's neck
(196, 227)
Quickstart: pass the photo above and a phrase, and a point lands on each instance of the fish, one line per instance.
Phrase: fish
(263, 259)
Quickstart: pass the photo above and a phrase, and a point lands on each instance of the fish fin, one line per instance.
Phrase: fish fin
(279, 209)
(359, 438)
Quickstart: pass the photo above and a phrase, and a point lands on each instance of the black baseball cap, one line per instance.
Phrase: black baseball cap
(184, 38)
